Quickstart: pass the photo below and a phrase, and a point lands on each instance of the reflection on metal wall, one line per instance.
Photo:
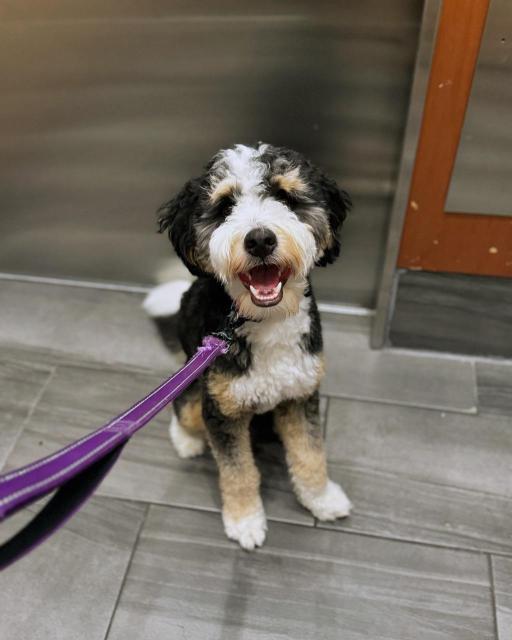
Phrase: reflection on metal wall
(481, 178)
(108, 107)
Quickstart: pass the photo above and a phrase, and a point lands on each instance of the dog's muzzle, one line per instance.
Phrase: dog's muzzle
(265, 282)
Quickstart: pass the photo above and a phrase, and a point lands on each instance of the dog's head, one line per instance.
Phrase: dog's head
(258, 220)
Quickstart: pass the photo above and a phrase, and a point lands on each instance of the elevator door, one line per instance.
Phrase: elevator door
(108, 107)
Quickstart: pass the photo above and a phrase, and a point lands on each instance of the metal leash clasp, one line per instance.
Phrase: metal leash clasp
(233, 321)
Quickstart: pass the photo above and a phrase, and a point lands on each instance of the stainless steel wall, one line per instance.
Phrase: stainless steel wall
(108, 107)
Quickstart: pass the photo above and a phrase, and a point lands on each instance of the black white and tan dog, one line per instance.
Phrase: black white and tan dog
(252, 228)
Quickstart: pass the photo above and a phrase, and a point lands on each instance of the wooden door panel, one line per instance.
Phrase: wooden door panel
(433, 239)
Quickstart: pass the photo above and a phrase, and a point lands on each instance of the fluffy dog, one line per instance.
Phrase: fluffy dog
(251, 228)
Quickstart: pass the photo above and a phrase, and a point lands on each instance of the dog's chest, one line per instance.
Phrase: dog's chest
(281, 367)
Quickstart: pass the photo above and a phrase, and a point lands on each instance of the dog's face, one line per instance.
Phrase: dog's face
(258, 220)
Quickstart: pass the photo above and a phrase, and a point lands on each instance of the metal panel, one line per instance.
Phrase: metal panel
(481, 177)
(108, 107)
(385, 299)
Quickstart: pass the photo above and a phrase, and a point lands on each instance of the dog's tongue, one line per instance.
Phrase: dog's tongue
(264, 277)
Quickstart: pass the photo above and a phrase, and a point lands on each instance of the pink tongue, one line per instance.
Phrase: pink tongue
(264, 276)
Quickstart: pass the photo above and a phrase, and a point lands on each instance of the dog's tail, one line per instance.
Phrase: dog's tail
(164, 300)
(162, 304)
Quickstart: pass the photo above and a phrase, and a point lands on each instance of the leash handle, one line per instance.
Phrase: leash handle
(77, 469)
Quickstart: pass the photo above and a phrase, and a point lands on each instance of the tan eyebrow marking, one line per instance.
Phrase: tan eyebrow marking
(290, 181)
(223, 189)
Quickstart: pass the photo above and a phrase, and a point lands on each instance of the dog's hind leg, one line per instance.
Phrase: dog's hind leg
(187, 428)
(297, 424)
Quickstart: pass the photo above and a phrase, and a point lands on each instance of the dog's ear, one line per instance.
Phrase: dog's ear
(177, 218)
(337, 204)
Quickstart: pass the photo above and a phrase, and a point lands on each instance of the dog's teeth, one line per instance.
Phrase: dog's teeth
(270, 295)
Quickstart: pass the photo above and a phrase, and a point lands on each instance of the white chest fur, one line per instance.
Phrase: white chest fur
(280, 368)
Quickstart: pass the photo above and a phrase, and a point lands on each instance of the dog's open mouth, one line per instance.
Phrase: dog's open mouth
(265, 283)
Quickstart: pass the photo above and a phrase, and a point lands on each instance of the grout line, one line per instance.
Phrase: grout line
(473, 411)
(345, 464)
(128, 566)
(319, 527)
(211, 510)
(419, 543)
(52, 370)
(447, 355)
(493, 596)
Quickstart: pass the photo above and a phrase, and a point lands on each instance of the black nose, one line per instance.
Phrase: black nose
(260, 242)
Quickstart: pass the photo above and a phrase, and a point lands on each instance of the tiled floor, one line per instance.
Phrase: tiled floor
(422, 445)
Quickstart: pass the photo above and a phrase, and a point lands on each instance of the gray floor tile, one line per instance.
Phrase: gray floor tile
(494, 384)
(21, 384)
(67, 588)
(355, 371)
(107, 326)
(396, 506)
(502, 577)
(466, 452)
(188, 581)
(423, 475)
(81, 398)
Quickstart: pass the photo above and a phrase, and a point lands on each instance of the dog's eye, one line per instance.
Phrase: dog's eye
(222, 208)
(286, 197)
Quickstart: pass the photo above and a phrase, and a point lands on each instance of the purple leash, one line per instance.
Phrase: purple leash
(76, 470)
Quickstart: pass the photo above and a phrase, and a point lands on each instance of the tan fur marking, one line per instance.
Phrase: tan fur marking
(239, 477)
(221, 190)
(237, 258)
(291, 250)
(191, 417)
(290, 181)
(305, 452)
(219, 387)
(321, 367)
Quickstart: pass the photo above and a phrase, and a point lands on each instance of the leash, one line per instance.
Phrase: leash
(76, 470)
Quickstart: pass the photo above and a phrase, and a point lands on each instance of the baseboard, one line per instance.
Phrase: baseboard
(453, 313)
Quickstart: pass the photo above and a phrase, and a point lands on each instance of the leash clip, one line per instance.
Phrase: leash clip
(233, 321)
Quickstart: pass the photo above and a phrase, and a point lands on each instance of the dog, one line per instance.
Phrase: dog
(251, 229)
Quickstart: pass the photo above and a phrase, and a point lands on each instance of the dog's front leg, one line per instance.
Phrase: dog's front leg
(298, 425)
(242, 509)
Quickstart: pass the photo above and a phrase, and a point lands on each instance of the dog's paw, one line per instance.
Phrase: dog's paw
(249, 531)
(186, 445)
(330, 504)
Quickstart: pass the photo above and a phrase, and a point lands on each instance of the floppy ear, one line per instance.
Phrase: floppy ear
(337, 204)
(177, 217)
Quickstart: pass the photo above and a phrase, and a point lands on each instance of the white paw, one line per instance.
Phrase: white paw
(249, 531)
(186, 445)
(330, 504)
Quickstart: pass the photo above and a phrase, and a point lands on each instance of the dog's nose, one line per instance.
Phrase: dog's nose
(260, 242)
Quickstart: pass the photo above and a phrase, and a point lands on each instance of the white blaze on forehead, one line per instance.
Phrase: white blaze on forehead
(241, 166)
